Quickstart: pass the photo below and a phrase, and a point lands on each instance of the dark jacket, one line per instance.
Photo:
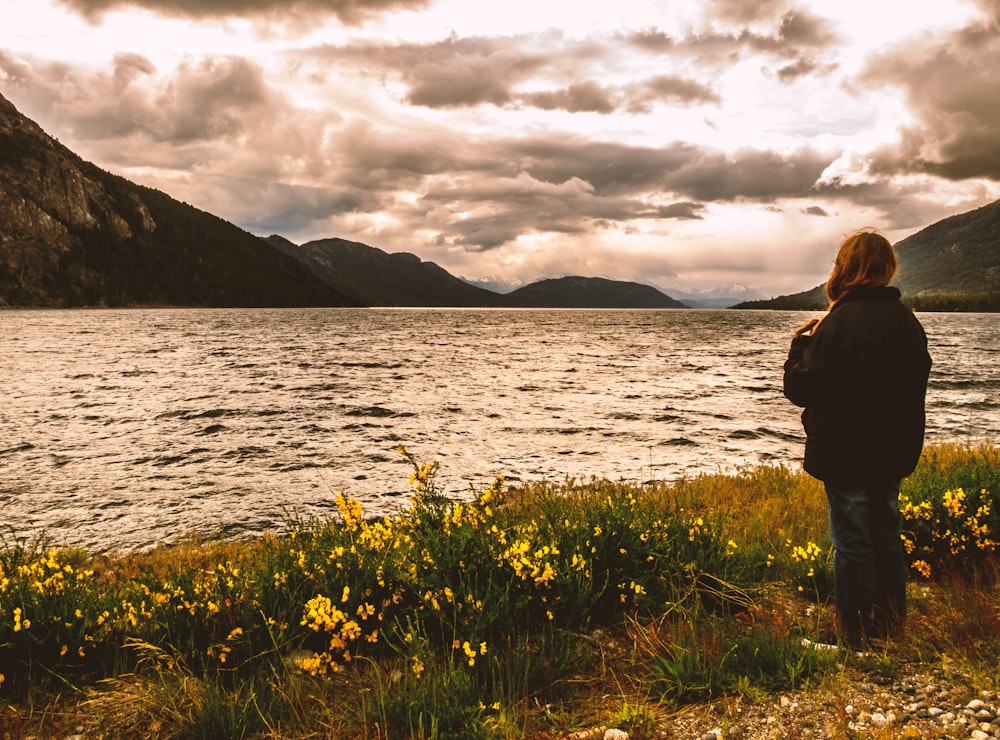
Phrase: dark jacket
(862, 378)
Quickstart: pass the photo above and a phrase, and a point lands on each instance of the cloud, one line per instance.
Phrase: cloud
(204, 101)
(814, 211)
(803, 67)
(513, 72)
(638, 97)
(483, 214)
(216, 133)
(347, 11)
(216, 119)
(952, 87)
(799, 29)
(454, 72)
(751, 174)
(550, 71)
(744, 11)
(795, 34)
(669, 89)
(585, 96)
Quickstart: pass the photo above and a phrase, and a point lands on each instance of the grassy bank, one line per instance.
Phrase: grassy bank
(516, 613)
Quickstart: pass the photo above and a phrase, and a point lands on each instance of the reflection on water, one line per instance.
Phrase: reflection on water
(123, 428)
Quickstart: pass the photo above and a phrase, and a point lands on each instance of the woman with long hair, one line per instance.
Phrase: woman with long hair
(860, 372)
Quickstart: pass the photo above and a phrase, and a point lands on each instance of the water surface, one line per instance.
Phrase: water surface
(125, 428)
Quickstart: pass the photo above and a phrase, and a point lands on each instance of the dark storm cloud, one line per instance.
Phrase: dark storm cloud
(952, 87)
(348, 11)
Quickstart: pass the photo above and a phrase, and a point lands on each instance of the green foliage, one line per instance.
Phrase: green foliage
(700, 664)
(468, 611)
(971, 302)
(957, 254)
(950, 511)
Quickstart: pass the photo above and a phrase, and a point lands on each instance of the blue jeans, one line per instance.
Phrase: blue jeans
(869, 564)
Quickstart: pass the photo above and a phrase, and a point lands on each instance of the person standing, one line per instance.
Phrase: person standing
(860, 373)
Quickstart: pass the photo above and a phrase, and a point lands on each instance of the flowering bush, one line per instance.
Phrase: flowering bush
(951, 532)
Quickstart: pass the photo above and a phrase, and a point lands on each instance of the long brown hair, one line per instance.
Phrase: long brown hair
(865, 259)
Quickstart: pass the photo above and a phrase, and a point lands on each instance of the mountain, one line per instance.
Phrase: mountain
(494, 283)
(584, 292)
(722, 296)
(953, 264)
(959, 254)
(75, 235)
(378, 278)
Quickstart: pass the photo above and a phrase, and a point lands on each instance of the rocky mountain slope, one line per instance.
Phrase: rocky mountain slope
(72, 234)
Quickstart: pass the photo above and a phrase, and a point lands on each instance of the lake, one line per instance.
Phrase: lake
(124, 428)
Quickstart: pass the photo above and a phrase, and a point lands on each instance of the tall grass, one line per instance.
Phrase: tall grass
(493, 616)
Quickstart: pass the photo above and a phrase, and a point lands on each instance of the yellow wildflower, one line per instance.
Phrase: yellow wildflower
(469, 652)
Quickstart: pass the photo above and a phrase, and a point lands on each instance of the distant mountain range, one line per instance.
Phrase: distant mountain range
(952, 265)
(723, 296)
(72, 234)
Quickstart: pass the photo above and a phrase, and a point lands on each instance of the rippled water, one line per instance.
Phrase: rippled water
(125, 428)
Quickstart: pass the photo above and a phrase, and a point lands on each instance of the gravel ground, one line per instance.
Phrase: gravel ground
(861, 706)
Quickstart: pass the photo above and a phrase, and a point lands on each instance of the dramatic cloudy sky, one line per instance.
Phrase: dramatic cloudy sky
(682, 143)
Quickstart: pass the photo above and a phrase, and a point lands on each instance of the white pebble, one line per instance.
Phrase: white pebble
(615, 734)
